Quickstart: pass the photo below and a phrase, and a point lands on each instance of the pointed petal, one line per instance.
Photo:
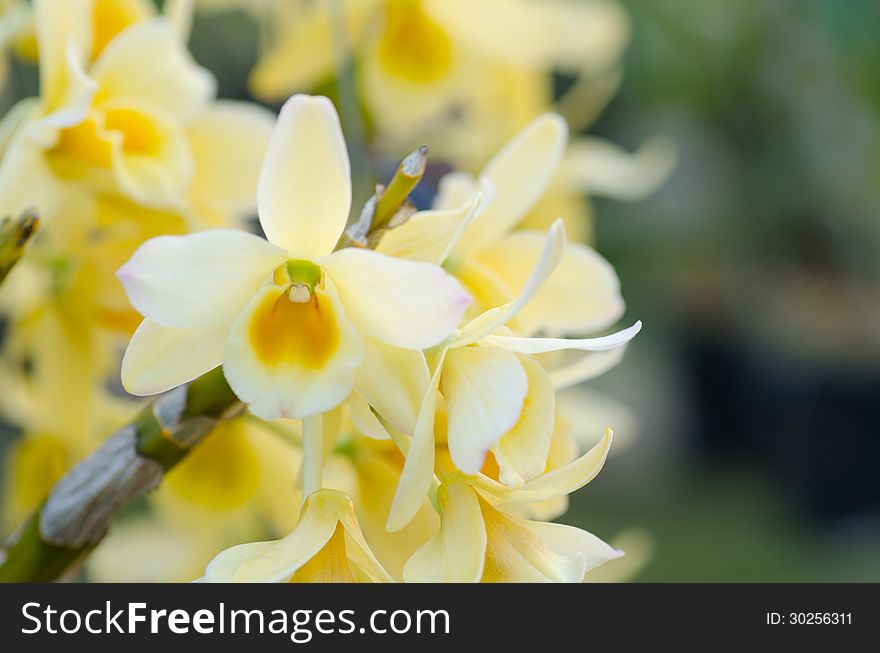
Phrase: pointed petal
(571, 542)
(519, 174)
(543, 345)
(582, 294)
(456, 553)
(486, 323)
(516, 553)
(555, 483)
(429, 236)
(402, 303)
(394, 382)
(287, 359)
(304, 191)
(418, 469)
(276, 562)
(484, 391)
(160, 358)
(199, 279)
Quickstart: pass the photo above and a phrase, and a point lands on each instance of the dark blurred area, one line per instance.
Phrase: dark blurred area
(755, 270)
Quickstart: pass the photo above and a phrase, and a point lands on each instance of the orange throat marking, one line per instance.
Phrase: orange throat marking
(303, 334)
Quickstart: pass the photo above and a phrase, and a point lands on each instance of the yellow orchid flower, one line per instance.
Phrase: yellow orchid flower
(485, 385)
(283, 315)
(464, 74)
(478, 542)
(325, 546)
(113, 119)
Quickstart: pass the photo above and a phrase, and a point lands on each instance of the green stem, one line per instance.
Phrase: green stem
(79, 509)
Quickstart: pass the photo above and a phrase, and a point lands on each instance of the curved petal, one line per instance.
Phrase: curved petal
(521, 453)
(159, 358)
(429, 236)
(519, 174)
(292, 359)
(571, 542)
(275, 562)
(484, 391)
(515, 553)
(198, 279)
(582, 294)
(456, 553)
(229, 142)
(402, 303)
(394, 382)
(418, 468)
(168, 78)
(598, 167)
(555, 483)
(150, 153)
(551, 255)
(304, 190)
(543, 345)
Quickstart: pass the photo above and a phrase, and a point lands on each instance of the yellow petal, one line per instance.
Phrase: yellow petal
(516, 554)
(292, 359)
(63, 35)
(393, 381)
(484, 391)
(429, 236)
(554, 483)
(551, 255)
(457, 552)
(402, 303)
(521, 453)
(228, 142)
(316, 549)
(418, 470)
(169, 78)
(364, 420)
(519, 174)
(304, 190)
(597, 167)
(582, 293)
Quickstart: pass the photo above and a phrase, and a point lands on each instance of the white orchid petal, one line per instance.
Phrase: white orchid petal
(429, 236)
(402, 303)
(543, 345)
(199, 279)
(160, 358)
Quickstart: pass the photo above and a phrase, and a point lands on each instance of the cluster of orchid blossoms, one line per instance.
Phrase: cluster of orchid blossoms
(402, 420)
(425, 341)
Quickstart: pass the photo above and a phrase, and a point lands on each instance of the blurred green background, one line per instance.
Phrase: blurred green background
(757, 376)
